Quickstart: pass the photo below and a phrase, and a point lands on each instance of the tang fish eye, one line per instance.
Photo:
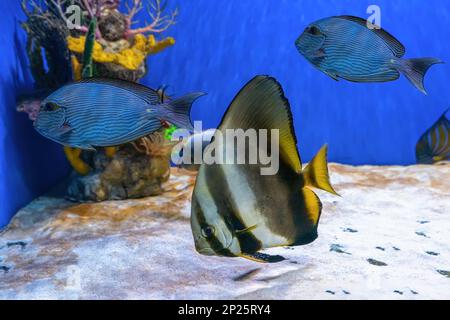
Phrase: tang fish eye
(50, 106)
(313, 30)
(208, 232)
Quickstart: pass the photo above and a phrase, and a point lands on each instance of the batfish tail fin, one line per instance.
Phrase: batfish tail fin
(316, 172)
(179, 110)
(415, 70)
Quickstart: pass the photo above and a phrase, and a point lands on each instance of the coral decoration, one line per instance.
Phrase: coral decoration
(76, 68)
(73, 155)
(131, 58)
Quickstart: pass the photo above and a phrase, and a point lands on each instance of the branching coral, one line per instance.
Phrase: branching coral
(160, 23)
(100, 9)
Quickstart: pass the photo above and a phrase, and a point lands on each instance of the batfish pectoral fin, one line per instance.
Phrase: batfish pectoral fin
(332, 74)
(262, 257)
(246, 230)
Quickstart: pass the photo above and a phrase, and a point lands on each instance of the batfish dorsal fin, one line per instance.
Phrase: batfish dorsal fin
(261, 104)
(397, 48)
(146, 93)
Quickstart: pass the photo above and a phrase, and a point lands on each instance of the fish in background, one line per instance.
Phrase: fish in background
(344, 47)
(434, 145)
(235, 210)
(108, 112)
(186, 150)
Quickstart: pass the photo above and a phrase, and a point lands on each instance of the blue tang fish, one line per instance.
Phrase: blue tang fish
(434, 145)
(344, 47)
(108, 112)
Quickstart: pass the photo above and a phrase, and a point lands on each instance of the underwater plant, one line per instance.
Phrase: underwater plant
(104, 43)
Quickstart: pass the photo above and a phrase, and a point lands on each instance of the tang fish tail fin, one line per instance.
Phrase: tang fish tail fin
(179, 110)
(316, 172)
(415, 70)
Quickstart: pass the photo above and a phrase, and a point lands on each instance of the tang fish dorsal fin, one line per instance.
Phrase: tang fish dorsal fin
(397, 48)
(146, 93)
(261, 104)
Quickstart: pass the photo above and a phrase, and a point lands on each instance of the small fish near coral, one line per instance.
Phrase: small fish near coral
(434, 145)
(345, 47)
(232, 212)
(108, 112)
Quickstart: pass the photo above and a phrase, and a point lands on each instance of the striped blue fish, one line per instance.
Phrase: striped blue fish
(108, 112)
(236, 211)
(345, 47)
(434, 145)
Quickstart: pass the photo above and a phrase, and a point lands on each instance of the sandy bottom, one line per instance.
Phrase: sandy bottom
(387, 237)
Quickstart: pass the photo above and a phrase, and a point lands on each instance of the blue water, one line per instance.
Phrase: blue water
(222, 44)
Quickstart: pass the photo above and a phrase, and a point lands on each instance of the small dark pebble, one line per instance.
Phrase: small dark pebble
(380, 248)
(414, 292)
(444, 273)
(330, 292)
(346, 292)
(376, 262)
(399, 292)
(396, 249)
(21, 244)
(350, 230)
(338, 248)
(423, 221)
(293, 262)
(5, 269)
(422, 234)
(431, 253)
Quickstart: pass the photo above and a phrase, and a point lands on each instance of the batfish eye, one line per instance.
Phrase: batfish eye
(208, 231)
(314, 31)
(50, 106)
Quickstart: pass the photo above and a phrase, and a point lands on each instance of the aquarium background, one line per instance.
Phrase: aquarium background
(222, 44)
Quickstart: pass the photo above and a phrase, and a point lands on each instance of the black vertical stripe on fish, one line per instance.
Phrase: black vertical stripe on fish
(229, 209)
(212, 240)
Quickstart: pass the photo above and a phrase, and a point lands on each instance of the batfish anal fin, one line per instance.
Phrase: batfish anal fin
(397, 48)
(313, 205)
(261, 104)
(262, 257)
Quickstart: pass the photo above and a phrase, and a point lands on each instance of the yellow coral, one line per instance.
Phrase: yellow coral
(73, 155)
(76, 68)
(110, 152)
(154, 46)
(130, 58)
